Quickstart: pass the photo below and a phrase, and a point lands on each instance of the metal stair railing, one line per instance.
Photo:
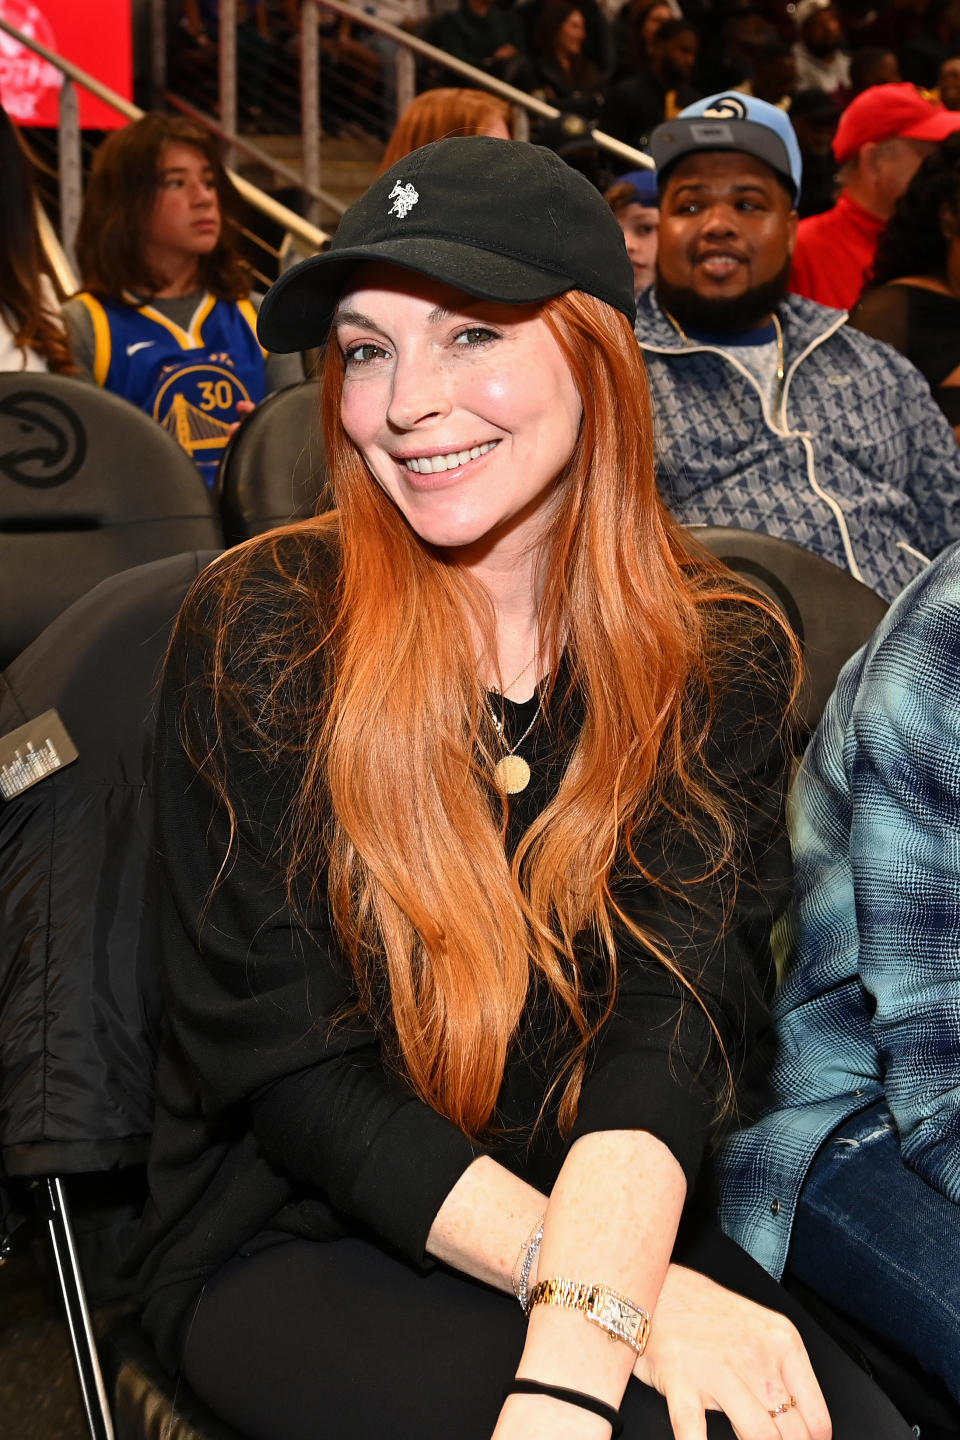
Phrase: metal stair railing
(306, 235)
(306, 110)
(408, 48)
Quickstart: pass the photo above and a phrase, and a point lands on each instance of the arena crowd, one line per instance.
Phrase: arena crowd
(488, 975)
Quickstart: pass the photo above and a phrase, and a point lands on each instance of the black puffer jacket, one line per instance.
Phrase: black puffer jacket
(76, 986)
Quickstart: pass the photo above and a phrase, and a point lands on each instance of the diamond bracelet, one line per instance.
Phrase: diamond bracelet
(529, 1250)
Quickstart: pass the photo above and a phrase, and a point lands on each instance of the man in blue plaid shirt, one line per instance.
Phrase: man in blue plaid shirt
(851, 1180)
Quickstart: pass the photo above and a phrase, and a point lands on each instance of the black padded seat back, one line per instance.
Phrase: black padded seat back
(77, 986)
(831, 613)
(89, 486)
(274, 468)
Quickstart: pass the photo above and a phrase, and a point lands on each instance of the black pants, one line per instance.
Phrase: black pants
(304, 1341)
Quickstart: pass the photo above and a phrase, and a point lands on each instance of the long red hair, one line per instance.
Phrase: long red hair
(394, 806)
(439, 114)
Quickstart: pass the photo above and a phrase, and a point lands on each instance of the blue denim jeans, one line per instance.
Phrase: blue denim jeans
(880, 1245)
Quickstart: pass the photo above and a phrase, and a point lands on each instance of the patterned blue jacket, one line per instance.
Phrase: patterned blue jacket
(859, 465)
(870, 1007)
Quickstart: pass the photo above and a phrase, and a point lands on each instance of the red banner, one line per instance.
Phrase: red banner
(94, 34)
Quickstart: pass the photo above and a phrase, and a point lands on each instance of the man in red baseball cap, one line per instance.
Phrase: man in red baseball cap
(883, 137)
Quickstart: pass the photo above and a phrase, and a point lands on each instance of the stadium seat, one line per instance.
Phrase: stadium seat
(830, 612)
(274, 467)
(89, 486)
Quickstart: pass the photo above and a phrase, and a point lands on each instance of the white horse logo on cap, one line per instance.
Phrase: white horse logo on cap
(728, 107)
(404, 198)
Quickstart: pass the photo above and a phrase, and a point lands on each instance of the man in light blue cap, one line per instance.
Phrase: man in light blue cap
(734, 123)
(770, 413)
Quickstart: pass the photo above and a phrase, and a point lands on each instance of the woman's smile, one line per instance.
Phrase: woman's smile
(438, 461)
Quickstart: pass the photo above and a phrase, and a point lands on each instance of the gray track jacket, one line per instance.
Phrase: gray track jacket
(859, 464)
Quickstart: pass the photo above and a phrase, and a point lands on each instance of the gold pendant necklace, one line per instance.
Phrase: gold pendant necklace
(511, 772)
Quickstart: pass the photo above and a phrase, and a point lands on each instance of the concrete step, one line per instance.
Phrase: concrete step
(348, 164)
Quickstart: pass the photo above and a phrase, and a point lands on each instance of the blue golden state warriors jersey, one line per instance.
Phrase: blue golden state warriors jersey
(188, 380)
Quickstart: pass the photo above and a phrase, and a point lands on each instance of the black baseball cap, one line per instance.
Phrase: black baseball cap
(499, 219)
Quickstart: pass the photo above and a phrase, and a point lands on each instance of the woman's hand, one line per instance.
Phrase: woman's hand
(710, 1349)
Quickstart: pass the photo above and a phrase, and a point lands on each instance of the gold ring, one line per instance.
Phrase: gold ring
(782, 1409)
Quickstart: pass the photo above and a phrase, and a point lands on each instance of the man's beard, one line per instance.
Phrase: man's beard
(723, 316)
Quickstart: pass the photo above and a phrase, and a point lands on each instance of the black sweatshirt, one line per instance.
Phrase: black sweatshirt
(269, 1121)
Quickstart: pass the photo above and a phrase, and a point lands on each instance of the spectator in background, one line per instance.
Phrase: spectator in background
(266, 67)
(873, 66)
(351, 76)
(598, 42)
(914, 302)
(166, 319)
(634, 31)
(883, 137)
(898, 24)
(773, 75)
(743, 34)
(636, 106)
(635, 200)
(32, 336)
(572, 138)
(921, 33)
(815, 118)
(822, 63)
(564, 76)
(488, 37)
(771, 413)
(438, 114)
(949, 83)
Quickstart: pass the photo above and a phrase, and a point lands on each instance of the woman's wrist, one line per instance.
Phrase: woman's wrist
(484, 1223)
(563, 1348)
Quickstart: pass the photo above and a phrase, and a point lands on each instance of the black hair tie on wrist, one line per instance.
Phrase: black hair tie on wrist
(572, 1397)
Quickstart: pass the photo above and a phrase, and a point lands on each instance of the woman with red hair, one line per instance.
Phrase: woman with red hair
(443, 114)
(469, 806)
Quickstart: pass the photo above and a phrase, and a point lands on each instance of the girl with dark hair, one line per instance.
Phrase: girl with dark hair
(166, 318)
(913, 300)
(635, 30)
(565, 76)
(469, 807)
(32, 336)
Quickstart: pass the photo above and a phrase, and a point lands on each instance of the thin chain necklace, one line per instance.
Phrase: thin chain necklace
(776, 325)
(511, 772)
(502, 689)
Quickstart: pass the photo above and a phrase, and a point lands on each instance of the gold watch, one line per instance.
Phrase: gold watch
(613, 1312)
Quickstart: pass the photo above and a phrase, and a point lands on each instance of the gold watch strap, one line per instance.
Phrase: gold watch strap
(613, 1312)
